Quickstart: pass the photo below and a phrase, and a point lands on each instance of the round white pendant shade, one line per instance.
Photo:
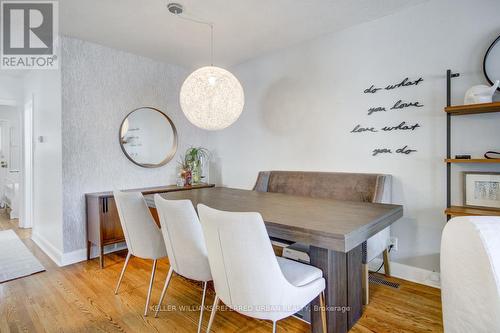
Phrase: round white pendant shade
(212, 98)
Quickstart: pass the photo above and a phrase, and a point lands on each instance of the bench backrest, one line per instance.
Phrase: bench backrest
(332, 185)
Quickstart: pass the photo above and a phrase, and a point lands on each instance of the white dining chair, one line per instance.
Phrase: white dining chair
(248, 277)
(470, 274)
(185, 243)
(142, 235)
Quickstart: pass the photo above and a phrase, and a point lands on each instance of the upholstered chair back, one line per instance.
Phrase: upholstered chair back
(184, 239)
(246, 273)
(142, 235)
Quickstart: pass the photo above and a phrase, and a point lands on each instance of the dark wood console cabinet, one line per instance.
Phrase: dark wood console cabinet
(103, 222)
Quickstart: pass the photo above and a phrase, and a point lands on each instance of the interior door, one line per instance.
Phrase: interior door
(4, 156)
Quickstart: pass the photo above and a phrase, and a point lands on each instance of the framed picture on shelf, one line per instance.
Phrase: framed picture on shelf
(482, 189)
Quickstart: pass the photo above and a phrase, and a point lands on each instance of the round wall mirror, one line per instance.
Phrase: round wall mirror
(491, 64)
(148, 137)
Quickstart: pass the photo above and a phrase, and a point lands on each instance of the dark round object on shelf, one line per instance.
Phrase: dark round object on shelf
(491, 63)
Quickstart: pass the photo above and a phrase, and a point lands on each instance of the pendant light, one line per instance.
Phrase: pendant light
(211, 97)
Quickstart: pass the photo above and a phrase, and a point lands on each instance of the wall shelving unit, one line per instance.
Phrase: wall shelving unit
(462, 110)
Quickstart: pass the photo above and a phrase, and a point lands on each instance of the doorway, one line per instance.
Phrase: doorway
(16, 135)
(10, 160)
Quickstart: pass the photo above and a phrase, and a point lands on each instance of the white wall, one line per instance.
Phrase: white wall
(100, 86)
(302, 103)
(11, 86)
(44, 86)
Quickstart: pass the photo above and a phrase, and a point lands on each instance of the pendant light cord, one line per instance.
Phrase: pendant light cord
(210, 24)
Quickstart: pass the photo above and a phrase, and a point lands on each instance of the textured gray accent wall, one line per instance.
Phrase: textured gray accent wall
(99, 87)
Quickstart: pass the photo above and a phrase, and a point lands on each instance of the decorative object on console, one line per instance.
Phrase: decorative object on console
(197, 159)
(482, 189)
(491, 155)
(184, 174)
(148, 137)
(480, 93)
(491, 63)
(193, 167)
(211, 97)
(463, 157)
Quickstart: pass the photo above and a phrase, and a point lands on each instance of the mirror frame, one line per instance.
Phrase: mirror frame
(495, 42)
(169, 156)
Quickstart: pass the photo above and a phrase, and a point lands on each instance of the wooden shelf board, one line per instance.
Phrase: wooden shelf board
(468, 211)
(472, 160)
(458, 110)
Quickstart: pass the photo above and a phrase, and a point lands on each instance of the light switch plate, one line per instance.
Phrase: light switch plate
(394, 242)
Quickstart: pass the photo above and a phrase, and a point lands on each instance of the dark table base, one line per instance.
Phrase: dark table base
(343, 274)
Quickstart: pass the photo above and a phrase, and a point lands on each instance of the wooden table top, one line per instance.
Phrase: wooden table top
(332, 224)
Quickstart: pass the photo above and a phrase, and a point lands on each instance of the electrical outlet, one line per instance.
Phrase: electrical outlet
(394, 242)
(434, 277)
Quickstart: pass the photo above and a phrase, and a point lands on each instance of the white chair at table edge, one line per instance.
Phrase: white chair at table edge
(186, 247)
(142, 235)
(376, 188)
(470, 274)
(248, 277)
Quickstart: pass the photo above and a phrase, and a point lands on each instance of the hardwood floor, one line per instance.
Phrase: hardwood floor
(80, 298)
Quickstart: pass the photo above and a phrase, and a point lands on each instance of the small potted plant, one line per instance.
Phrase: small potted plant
(194, 159)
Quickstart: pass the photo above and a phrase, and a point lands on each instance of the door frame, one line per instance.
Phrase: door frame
(27, 218)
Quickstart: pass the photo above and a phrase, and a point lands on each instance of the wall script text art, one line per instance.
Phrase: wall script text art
(405, 83)
(404, 150)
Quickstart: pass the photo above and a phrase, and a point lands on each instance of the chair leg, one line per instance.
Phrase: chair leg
(202, 305)
(212, 314)
(323, 310)
(164, 291)
(150, 288)
(123, 272)
(366, 283)
(387, 267)
(274, 326)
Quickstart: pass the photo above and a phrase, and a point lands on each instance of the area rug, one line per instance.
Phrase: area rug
(16, 260)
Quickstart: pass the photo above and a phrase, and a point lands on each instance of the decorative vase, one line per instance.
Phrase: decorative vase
(195, 167)
(480, 94)
(186, 176)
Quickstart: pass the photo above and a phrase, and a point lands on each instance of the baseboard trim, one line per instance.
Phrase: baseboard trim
(64, 259)
(50, 250)
(405, 272)
(79, 255)
(409, 273)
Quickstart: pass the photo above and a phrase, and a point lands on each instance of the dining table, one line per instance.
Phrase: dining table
(335, 230)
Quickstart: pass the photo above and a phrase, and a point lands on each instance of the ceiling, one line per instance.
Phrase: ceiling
(243, 29)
